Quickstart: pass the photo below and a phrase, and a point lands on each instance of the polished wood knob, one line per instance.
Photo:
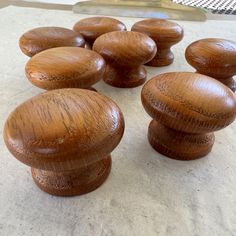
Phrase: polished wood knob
(214, 57)
(40, 39)
(125, 53)
(165, 34)
(93, 27)
(65, 67)
(66, 136)
(186, 109)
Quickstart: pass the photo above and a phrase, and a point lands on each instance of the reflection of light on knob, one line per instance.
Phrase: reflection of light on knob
(230, 102)
(99, 63)
(115, 119)
(208, 86)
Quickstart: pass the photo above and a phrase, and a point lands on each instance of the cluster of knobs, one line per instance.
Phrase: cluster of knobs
(67, 134)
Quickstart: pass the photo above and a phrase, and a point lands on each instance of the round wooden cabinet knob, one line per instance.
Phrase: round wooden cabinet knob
(125, 53)
(214, 57)
(40, 39)
(66, 136)
(65, 67)
(93, 27)
(186, 109)
(165, 34)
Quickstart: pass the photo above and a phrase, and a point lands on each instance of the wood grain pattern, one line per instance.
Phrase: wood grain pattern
(165, 34)
(65, 67)
(40, 39)
(93, 27)
(214, 57)
(186, 109)
(66, 136)
(125, 53)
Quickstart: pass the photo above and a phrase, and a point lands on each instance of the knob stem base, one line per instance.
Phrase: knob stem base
(125, 77)
(163, 57)
(71, 183)
(89, 45)
(179, 145)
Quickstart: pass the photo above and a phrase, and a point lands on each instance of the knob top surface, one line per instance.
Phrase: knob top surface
(125, 48)
(212, 56)
(65, 125)
(189, 102)
(65, 67)
(160, 30)
(40, 39)
(93, 27)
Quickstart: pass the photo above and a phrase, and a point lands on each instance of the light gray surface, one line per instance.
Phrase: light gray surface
(145, 194)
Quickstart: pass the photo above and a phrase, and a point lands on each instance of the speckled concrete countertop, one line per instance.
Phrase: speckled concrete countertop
(146, 193)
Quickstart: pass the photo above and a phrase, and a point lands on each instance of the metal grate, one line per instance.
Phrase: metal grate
(215, 6)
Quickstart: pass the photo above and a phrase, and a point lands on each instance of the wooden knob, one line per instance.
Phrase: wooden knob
(124, 53)
(165, 34)
(93, 27)
(40, 39)
(65, 67)
(186, 108)
(66, 136)
(215, 58)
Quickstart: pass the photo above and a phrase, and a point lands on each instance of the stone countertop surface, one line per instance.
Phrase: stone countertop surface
(146, 193)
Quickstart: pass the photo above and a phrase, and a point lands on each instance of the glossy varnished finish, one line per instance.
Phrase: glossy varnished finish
(186, 109)
(93, 27)
(66, 136)
(214, 57)
(65, 67)
(40, 39)
(165, 34)
(125, 53)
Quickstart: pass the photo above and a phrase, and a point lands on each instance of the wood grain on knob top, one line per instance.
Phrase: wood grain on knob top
(196, 102)
(93, 27)
(124, 53)
(40, 39)
(65, 67)
(165, 34)
(214, 57)
(186, 108)
(64, 130)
